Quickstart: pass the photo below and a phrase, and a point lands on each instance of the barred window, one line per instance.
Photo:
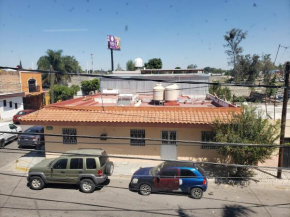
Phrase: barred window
(168, 135)
(207, 136)
(69, 139)
(137, 134)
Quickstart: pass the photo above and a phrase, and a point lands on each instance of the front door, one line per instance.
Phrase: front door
(59, 171)
(168, 148)
(167, 181)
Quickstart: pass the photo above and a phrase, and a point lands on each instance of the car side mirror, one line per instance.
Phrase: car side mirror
(51, 169)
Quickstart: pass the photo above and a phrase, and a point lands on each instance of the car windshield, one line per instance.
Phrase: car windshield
(21, 113)
(157, 169)
(32, 130)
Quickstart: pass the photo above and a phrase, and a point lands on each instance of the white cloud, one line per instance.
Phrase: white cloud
(65, 30)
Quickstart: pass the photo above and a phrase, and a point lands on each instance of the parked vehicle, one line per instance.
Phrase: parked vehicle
(21, 113)
(172, 177)
(31, 140)
(86, 167)
(7, 137)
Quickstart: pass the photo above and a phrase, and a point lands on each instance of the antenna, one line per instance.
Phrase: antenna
(92, 62)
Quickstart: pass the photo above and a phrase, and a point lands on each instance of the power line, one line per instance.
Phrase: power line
(172, 142)
(150, 159)
(144, 79)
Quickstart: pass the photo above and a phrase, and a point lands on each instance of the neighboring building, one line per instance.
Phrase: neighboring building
(11, 94)
(135, 116)
(32, 86)
(135, 86)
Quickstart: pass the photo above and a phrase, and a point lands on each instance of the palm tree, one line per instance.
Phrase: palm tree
(59, 63)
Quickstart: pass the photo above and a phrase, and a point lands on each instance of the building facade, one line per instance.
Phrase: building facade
(11, 94)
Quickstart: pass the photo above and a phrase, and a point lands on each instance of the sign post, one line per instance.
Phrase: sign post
(114, 43)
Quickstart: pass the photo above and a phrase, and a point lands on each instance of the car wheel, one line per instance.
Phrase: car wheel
(2, 144)
(87, 186)
(196, 193)
(36, 183)
(109, 168)
(145, 189)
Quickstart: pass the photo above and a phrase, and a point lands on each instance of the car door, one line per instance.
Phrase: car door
(187, 180)
(12, 128)
(167, 180)
(76, 166)
(59, 171)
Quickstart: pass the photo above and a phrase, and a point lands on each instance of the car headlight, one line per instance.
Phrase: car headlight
(134, 181)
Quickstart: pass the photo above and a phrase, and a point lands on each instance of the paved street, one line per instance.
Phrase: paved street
(114, 199)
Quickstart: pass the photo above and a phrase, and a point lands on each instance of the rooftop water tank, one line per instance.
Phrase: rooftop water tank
(138, 63)
(171, 92)
(158, 92)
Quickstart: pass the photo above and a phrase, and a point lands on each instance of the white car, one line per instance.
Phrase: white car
(7, 137)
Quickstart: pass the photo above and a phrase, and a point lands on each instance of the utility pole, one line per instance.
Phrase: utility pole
(283, 120)
(51, 85)
(92, 63)
(112, 60)
(278, 51)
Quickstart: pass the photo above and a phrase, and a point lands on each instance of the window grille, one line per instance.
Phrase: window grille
(207, 136)
(168, 135)
(137, 134)
(67, 139)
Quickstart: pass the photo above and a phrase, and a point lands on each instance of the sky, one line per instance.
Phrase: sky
(179, 32)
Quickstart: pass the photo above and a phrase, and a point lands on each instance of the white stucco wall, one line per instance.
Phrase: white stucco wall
(7, 112)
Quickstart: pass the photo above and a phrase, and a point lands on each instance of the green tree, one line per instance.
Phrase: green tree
(62, 92)
(272, 91)
(221, 92)
(192, 66)
(267, 66)
(119, 68)
(58, 63)
(88, 86)
(155, 63)
(130, 65)
(247, 127)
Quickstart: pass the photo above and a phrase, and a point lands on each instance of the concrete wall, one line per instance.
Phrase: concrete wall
(122, 147)
(6, 112)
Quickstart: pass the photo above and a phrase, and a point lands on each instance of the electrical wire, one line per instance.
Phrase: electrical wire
(149, 159)
(143, 79)
(148, 139)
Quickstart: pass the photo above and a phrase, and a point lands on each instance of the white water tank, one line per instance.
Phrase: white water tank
(158, 92)
(138, 63)
(171, 92)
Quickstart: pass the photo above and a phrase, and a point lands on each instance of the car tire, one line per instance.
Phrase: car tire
(196, 193)
(109, 169)
(145, 189)
(2, 144)
(87, 186)
(36, 183)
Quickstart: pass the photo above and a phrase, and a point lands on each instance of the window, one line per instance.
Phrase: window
(186, 173)
(10, 104)
(171, 173)
(91, 164)
(137, 134)
(4, 103)
(207, 136)
(76, 163)
(67, 139)
(60, 164)
(32, 85)
(12, 126)
(168, 135)
(16, 106)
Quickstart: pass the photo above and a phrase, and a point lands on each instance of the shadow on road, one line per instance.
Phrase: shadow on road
(236, 211)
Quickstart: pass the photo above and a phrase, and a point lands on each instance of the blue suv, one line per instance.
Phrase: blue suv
(170, 176)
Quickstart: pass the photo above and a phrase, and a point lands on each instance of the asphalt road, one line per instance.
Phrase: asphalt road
(114, 199)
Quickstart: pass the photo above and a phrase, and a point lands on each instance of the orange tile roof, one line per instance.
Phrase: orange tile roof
(172, 115)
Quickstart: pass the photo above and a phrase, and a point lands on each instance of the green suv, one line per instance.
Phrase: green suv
(86, 167)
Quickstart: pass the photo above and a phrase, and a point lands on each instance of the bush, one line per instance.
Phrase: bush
(88, 86)
(62, 92)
